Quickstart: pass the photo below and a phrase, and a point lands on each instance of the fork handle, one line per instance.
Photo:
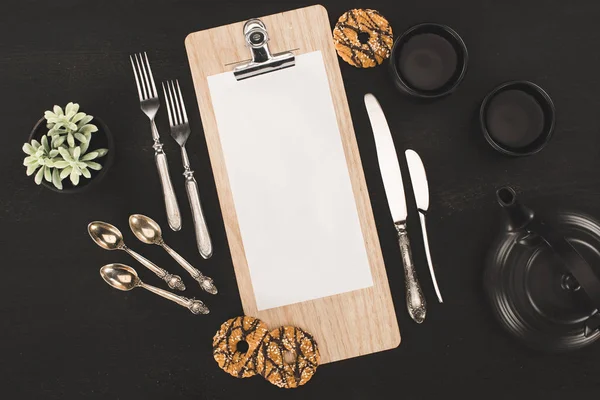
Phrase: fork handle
(173, 214)
(202, 236)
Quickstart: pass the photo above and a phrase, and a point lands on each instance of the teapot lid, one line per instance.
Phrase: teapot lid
(530, 282)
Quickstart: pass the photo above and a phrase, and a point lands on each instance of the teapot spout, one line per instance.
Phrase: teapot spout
(518, 216)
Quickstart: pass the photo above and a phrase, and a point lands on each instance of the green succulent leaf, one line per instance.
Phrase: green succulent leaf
(48, 174)
(31, 169)
(65, 172)
(35, 144)
(81, 137)
(89, 156)
(56, 181)
(76, 153)
(30, 160)
(60, 164)
(66, 155)
(70, 140)
(74, 178)
(53, 153)
(88, 128)
(78, 117)
(84, 121)
(28, 149)
(39, 176)
(86, 172)
(71, 109)
(94, 165)
(101, 152)
(45, 143)
(58, 110)
(59, 141)
(84, 147)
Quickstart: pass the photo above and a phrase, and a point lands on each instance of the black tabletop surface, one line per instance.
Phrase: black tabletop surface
(66, 335)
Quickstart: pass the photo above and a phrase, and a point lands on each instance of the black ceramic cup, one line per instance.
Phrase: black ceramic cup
(101, 139)
(517, 118)
(428, 61)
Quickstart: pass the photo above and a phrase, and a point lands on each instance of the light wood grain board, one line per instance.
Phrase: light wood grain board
(345, 325)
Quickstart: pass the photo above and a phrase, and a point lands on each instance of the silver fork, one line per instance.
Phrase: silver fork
(149, 104)
(180, 131)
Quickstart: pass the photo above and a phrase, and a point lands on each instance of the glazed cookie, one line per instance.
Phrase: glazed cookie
(231, 336)
(288, 358)
(368, 52)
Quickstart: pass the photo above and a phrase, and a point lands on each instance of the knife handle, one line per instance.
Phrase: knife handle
(428, 254)
(415, 301)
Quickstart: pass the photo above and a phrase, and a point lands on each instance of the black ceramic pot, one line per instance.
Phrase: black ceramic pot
(100, 139)
(517, 118)
(542, 278)
(428, 61)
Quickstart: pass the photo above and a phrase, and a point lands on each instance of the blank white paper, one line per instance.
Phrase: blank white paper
(290, 184)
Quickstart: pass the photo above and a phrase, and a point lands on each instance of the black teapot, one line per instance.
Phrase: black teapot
(542, 277)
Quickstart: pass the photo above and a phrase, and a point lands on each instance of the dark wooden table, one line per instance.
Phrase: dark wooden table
(66, 335)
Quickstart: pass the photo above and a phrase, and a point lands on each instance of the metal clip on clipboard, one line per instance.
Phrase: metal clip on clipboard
(262, 61)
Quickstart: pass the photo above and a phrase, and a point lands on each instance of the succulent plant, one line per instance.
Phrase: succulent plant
(74, 164)
(56, 155)
(40, 158)
(69, 125)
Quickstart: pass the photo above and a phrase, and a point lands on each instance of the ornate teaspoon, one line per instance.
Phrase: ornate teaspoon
(149, 232)
(123, 277)
(109, 237)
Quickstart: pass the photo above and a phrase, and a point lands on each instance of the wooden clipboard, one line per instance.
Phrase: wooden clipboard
(345, 325)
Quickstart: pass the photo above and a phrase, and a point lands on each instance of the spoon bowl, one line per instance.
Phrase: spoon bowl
(106, 235)
(120, 276)
(145, 229)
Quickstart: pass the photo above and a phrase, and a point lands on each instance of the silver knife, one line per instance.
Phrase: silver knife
(394, 191)
(421, 189)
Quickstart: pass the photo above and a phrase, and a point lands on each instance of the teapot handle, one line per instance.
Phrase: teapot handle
(575, 264)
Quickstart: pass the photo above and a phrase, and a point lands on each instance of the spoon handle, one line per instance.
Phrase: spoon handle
(173, 281)
(205, 282)
(195, 306)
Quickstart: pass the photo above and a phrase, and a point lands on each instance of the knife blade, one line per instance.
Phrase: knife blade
(418, 177)
(394, 191)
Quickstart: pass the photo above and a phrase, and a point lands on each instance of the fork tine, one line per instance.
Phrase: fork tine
(173, 101)
(141, 80)
(185, 118)
(151, 76)
(145, 75)
(137, 80)
(168, 104)
(177, 105)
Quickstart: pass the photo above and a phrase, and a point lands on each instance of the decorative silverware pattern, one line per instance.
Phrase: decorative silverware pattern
(123, 277)
(180, 131)
(415, 300)
(149, 103)
(109, 237)
(149, 232)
